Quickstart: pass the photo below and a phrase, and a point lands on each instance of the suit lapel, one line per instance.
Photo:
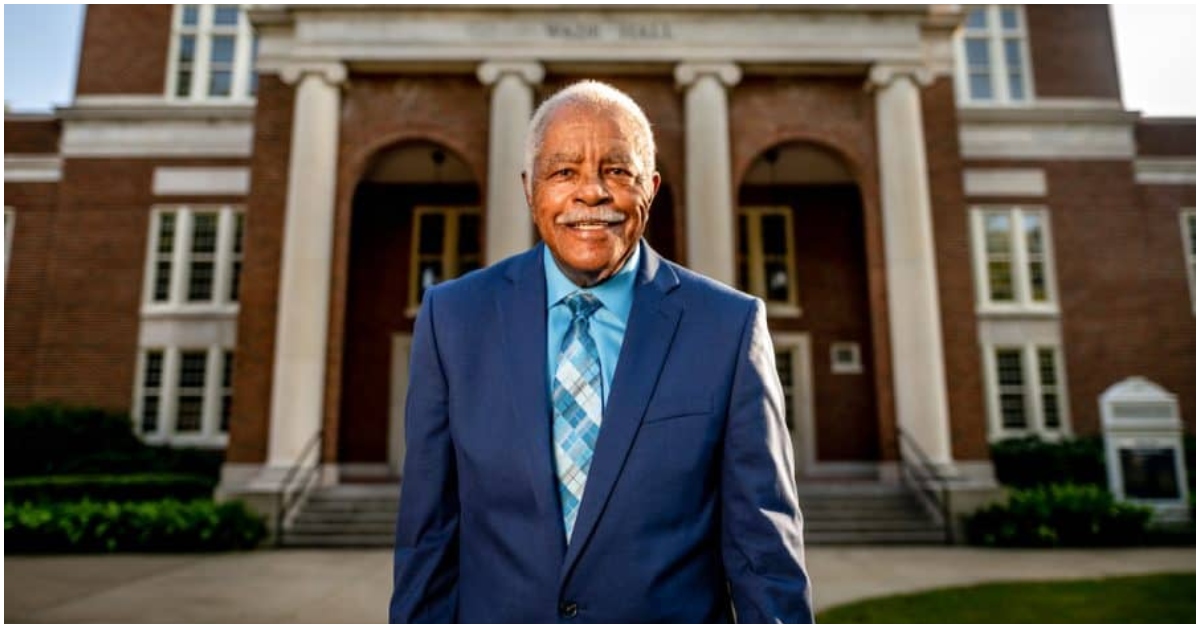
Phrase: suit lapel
(522, 308)
(648, 336)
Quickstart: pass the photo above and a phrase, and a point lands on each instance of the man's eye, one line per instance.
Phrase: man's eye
(561, 173)
(620, 172)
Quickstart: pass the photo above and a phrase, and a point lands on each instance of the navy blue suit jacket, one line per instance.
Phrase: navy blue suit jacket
(689, 512)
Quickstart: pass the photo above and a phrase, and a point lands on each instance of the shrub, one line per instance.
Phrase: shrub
(1029, 461)
(160, 526)
(117, 488)
(1059, 515)
(52, 439)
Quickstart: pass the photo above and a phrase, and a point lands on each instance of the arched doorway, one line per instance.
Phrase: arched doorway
(801, 247)
(416, 221)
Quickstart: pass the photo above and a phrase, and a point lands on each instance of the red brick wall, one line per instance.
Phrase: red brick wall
(124, 49)
(259, 298)
(960, 344)
(1071, 51)
(837, 114)
(35, 206)
(24, 136)
(1123, 285)
(1166, 137)
(85, 297)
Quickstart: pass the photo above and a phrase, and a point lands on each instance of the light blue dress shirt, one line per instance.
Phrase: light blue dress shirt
(607, 324)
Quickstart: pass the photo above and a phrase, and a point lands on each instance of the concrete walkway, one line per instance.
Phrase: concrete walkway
(343, 586)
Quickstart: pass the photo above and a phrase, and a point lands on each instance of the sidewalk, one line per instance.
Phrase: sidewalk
(343, 586)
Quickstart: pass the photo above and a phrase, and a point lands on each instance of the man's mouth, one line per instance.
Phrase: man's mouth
(591, 220)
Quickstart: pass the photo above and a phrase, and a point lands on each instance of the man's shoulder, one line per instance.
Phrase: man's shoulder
(697, 287)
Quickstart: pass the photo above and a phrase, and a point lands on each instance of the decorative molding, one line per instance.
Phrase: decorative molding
(144, 109)
(32, 168)
(158, 138)
(729, 74)
(332, 73)
(212, 181)
(883, 74)
(1060, 111)
(1046, 139)
(1004, 182)
(1164, 170)
(529, 72)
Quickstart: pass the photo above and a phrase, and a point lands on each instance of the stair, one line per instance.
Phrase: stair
(862, 513)
(851, 513)
(347, 515)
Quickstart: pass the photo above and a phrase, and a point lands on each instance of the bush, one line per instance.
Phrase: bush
(1029, 461)
(160, 526)
(1060, 515)
(52, 439)
(117, 488)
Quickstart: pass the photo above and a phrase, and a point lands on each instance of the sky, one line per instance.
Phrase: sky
(1156, 56)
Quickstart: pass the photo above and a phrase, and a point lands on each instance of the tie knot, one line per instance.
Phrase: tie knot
(582, 304)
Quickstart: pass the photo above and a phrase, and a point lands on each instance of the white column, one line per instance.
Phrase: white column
(298, 387)
(709, 185)
(509, 227)
(918, 367)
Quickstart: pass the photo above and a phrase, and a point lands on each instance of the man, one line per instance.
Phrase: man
(594, 433)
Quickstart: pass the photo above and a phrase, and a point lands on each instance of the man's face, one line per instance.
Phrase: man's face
(590, 193)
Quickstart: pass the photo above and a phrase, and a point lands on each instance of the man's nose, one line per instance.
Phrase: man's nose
(592, 190)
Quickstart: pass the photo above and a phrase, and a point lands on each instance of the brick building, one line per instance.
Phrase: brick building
(960, 232)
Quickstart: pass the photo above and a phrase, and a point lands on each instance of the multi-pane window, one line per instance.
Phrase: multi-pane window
(993, 57)
(1027, 395)
(446, 244)
(184, 394)
(1187, 222)
(212, 53)
(195, 257)
(766, 259)
(1014, 265)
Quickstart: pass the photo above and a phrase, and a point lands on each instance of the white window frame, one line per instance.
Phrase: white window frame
(177, 301)
(998, 71)
(204, 30)
(756, 263)
(1031, 391)
(1022, 302)
(1188, 233)
(450, 257)
(210, 434)
(851, 366)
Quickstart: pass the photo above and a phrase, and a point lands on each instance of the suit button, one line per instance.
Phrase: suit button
(568, 609)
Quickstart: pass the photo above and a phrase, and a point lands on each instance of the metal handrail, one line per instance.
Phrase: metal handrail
(285, 502)
(924, 477)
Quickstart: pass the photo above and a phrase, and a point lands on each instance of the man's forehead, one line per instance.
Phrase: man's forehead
(622, 154)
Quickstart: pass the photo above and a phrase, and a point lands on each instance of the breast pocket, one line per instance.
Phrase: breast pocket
(680, 406)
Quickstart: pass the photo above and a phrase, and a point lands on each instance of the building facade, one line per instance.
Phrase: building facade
(960, 233)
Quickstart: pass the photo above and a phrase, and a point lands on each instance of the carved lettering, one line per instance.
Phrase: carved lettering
(578, 30)
(573, 31)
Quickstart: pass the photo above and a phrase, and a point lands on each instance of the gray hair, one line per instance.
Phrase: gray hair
(594, 94)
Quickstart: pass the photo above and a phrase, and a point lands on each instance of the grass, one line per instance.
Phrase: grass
(1161, 598)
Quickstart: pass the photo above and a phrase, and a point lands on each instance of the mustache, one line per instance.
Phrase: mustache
(592, 214)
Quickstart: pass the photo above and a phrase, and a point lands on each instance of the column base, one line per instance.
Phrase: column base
(260, 487)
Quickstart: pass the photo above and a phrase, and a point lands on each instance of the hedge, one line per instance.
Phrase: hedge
(160, 526)
(1059, 515)
(1029, 461)
(117, 488)
(52, 439)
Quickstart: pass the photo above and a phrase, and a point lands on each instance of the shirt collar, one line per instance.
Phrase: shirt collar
(615, 293)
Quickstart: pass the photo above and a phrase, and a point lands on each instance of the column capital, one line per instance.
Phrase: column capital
(883, 74)
(332, 72)
(530, 72)
(729, 74)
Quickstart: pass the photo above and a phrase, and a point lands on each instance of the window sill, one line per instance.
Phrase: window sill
(1041, 311)
(783, 310)
(211, 441)
(197, 311)
(1052, 436)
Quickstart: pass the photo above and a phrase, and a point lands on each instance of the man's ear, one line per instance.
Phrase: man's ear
(655, 182)
(525, 187)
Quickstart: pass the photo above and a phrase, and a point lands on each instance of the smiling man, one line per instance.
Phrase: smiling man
(595, 434)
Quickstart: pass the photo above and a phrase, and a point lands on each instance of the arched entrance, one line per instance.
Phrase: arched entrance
(802, 248)
(416, 221)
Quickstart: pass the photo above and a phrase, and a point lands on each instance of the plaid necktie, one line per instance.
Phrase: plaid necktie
(577, 406)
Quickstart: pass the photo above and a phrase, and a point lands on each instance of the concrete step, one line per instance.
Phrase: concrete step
(818, 539)
(341, 540)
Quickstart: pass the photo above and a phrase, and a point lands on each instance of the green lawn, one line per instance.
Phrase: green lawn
(1163, 598)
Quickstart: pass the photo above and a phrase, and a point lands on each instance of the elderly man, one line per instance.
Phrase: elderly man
(594, 433)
